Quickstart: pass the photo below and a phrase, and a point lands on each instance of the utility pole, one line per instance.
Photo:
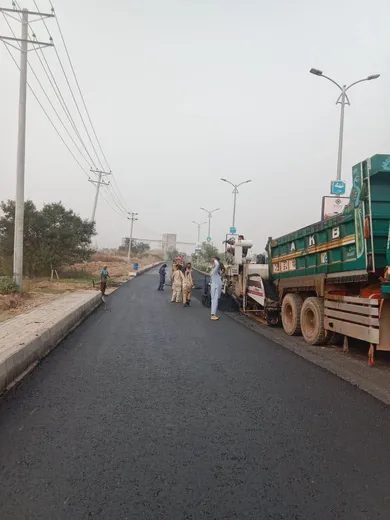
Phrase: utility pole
(21, 44)
(98, 183)
(199, 224)
(133, 216)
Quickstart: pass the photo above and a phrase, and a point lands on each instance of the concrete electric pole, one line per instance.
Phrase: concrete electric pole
(21, 44)
(133, 216)
(98, 183)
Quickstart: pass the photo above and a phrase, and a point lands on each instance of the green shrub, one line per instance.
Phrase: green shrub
(7, 285)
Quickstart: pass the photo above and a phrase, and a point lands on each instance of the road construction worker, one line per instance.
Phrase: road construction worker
(215, 287)
(104, 276)
(162, 273)
(177, 282)
(188, 285)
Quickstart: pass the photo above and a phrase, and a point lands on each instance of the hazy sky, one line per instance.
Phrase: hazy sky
(184, 92)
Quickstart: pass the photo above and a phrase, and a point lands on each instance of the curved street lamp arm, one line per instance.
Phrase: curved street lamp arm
(214, 210)
(231, 184)
(244, 182)
(332, 80)
(356, 82)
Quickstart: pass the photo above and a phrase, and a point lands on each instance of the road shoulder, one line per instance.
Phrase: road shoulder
(373, 380)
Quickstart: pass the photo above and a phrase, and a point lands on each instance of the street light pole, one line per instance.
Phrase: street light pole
(235, 191)
(341, 134)
(210, 213)
(342, 100)
(199, 224)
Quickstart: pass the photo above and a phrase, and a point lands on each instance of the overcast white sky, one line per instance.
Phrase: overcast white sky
(183, 92)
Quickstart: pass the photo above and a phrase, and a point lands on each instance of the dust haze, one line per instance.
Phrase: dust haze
(183, 93)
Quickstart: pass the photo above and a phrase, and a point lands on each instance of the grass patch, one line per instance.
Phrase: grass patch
(75, 275)
(78, 281)
(49, 291)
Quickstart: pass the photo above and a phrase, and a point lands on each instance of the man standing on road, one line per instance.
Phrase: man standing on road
(177, 282)
(104, 276)
(162, 273)
(188, 285)
(215, 287)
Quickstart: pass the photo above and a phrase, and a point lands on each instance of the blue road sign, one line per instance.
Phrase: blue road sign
(337, 187)
(208, 239)
(233, 230)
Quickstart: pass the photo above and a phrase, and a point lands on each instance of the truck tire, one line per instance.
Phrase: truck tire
(312, 321)
(291, 314)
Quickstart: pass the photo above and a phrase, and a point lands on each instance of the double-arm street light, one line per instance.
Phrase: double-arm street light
(235, 191)
(342, 100)
(199, 224)
(210, 213)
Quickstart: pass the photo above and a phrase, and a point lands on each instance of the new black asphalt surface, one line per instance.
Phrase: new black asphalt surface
(151, 411)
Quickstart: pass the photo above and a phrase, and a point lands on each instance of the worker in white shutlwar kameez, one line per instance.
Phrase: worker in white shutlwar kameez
(215, 287)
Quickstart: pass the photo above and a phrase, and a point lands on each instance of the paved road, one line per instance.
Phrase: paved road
(152, 411)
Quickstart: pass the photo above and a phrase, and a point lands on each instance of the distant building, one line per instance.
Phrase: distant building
(169, 243)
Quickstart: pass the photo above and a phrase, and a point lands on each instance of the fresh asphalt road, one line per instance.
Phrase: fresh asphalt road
(152, 411)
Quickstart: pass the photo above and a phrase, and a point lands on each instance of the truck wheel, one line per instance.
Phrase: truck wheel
(312, 321)
(291, 314)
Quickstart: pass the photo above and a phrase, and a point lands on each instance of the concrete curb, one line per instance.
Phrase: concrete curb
(148, 268)
(133, 274)
(21, 358)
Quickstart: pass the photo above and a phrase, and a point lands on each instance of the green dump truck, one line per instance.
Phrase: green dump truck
(332, 276)
(327, 281)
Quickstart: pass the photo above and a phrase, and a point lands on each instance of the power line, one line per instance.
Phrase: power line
(45, 93)
(48, 117)
(111, 194)
(117, 195)
(78, 86)
(113, 191)
(66, 110)
(150, 230)
(75, 102)
(109, 205)
(56, 88)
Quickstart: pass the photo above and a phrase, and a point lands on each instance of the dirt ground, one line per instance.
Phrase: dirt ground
(78, 277)
(117, 265)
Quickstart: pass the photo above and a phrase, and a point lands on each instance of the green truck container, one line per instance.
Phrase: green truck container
(332, 276)
(337, 245)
